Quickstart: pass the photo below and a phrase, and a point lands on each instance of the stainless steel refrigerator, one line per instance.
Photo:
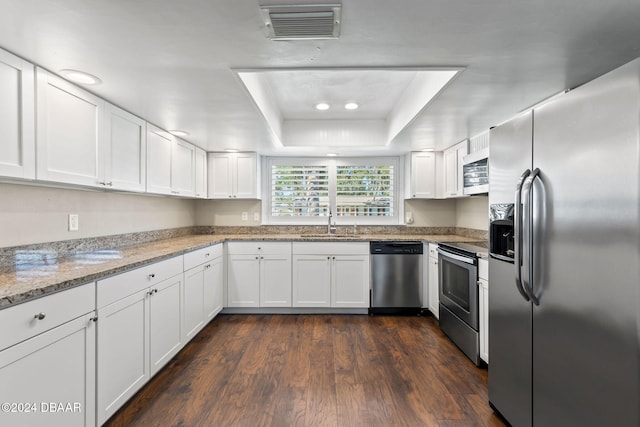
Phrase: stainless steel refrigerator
(564, 269)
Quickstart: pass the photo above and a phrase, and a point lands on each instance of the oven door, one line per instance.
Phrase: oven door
(458, 283)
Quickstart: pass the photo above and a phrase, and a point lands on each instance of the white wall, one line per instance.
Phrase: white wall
(227, 212)
(473, 212)
(431, 213)
(30, 214)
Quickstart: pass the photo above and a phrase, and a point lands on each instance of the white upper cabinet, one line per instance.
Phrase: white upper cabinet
(423, 175)
(453, 173)
(17, 118)
(233, 176)
(159, 147)
(170, 164)
(125, 150)
(201, 174)
(183, 160)
(69, 132)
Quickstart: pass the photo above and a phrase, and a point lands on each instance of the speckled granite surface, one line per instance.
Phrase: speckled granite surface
(28, 272)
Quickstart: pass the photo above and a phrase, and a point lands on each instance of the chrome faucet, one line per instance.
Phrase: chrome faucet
(330, 228)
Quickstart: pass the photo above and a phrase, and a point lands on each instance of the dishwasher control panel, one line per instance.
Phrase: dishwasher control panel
(395, 247)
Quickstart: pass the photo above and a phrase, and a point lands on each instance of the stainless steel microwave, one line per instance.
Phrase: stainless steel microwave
(475, 170)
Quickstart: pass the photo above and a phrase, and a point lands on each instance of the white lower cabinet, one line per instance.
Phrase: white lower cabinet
(47, 370)
(483, 284)
(331, 274)
(203, 289)
(433, 287)
(137, 332)
(259, 274)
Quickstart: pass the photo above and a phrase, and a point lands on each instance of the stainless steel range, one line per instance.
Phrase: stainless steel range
(458, 285)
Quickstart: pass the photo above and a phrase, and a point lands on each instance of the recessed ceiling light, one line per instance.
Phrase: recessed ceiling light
(80, 77)
(428, 149)
(332, 154)
(322, 106)
(179, 132)
(231, 150)
(351, 106)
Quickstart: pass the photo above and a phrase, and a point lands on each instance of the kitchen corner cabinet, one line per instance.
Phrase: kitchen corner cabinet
(259, 274)
(203, 289)
(233, 176)
(183, 158)
(453, 173)
(433, 286)
(331, 274)
(69, 132)
(139, 317)
(125, 151)
(200, 173)
(17, 118)
(483, 283)
(423, 175)
(47, 357)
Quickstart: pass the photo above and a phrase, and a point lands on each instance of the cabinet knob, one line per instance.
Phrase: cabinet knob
(206, 255)
(328, 257)
(151, 276)
(257, 257)
(110, 184)
(207, 266)
(234, 196)
(39, 316)
(230, 196)
(94, 319)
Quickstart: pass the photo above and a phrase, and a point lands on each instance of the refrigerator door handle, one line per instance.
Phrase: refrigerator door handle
(517, 234)
(527, 244)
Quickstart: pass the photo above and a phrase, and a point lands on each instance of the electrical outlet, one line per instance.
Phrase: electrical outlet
(74, 222)
(245, 216)
(256, 216)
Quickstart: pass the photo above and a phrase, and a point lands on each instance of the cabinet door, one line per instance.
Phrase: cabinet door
(350, 281)
(201, 173)
(484, 320)
(125, 150)
(193, 305)
(122, 352)
(311, 281)
(69, 132)
(243, 281)
(244, 176)
(462, 150)
(450, 173)
(213, 288)
(434, 297)
(55, 366)
(275, 280)
(423, 175)
(159, 147)
(183, 169)
(17, 118)
(165, 309)
(219, 176)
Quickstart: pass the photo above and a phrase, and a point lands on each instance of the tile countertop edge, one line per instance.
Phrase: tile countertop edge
(148, 253)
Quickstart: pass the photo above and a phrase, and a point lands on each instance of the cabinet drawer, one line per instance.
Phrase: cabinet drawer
(483, 269)
(20, 322)
(331, 248)
(250, 248)
(121, 285)
(200, 256)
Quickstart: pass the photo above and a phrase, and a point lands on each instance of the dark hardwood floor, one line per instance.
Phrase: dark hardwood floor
(315, 370)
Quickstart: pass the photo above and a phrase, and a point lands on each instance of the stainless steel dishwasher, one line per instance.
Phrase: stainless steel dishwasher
(396, 277)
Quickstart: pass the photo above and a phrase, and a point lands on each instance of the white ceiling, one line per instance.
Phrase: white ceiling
(172, 62)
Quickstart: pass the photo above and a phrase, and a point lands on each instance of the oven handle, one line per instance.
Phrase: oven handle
(456, 257)
(517, 235)
(527, 189)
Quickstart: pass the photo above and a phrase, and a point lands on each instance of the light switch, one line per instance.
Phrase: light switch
(256, 216)
(245, 216)
(74, 222)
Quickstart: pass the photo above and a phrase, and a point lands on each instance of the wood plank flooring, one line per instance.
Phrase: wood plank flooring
(315, 370)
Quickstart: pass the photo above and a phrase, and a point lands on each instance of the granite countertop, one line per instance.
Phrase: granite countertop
(38, 272)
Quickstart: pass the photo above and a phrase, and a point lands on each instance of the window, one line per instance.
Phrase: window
(304, 191)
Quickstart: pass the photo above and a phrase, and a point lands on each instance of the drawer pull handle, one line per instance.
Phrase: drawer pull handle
(39, 316)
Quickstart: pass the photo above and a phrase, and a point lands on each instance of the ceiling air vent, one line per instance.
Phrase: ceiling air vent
(302, 22)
